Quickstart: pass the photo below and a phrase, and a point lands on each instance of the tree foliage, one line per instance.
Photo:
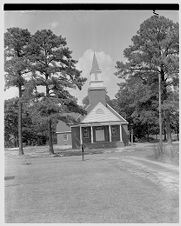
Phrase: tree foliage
(11, 122)
(154, 52)
(42, 68)
(16, 68)
(32, 132)
(53, 69)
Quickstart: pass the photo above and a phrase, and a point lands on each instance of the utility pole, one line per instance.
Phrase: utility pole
(159, 101)
(160, 113)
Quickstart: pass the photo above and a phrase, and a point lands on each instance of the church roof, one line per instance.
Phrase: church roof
(101, 113)
(95, 67)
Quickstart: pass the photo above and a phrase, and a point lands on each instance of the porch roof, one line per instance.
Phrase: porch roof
(100, 123)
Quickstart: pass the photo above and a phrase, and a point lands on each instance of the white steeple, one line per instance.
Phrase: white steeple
(95, 73)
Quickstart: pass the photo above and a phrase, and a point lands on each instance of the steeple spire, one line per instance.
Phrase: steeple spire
(95, 67)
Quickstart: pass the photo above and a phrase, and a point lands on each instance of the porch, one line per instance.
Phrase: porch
(90, 134)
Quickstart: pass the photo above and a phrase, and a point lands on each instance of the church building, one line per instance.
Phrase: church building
(102, 126)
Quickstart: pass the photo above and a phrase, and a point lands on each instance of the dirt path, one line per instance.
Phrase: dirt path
(162, 174)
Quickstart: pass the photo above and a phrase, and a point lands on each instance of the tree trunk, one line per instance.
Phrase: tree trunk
(160, 100)
(148, 135)
(21, 152)
(165, 135)
(164, 131)
(168, 129)
(51, 151)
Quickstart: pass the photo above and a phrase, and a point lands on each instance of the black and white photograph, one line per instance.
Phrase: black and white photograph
(91, 113)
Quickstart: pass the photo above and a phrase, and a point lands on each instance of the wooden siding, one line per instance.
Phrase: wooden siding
(61, 139)
(75, 137)
(115, 131)
(100, 114)
(97, 95)
(86, 131)
(125, 134)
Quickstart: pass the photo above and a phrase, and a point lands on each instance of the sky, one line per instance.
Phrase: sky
(107, 33)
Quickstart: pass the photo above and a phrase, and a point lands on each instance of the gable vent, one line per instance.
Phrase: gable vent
(99, 111)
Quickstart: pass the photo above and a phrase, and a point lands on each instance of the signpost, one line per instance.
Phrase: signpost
(82, 152)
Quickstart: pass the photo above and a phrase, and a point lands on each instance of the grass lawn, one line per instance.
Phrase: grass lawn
(117, 186)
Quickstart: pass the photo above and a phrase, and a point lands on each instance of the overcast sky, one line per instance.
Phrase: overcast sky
(107, 33)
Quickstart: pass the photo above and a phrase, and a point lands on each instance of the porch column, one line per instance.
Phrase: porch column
(110, 135)
(80, 135)
(121, 138)
(91, 135)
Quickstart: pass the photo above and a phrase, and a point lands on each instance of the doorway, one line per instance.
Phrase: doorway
(100, 136)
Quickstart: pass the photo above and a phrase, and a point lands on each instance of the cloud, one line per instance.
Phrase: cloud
(54, 24)
(107, 66)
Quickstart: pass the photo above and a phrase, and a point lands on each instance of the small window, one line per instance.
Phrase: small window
(114, 131)
(65, 137)
(85, 133)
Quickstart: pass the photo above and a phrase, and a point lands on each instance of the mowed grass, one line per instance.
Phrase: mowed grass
(97, 190)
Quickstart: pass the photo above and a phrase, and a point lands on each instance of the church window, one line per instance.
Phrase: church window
(85, 133)
(114, 131)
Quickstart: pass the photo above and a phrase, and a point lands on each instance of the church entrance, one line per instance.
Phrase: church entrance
(100, 136)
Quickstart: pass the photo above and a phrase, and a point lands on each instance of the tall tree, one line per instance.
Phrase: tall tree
(135, 103)
(154, 52)
(54, 71)
(16, 41)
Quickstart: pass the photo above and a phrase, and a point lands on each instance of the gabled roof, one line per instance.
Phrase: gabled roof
(116, 113)
(95, 67)
(101, 113)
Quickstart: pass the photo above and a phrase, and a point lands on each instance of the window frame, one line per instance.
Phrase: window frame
(85, 131)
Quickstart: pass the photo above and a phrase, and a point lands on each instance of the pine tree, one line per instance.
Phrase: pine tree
(16, 41)
(55, 72)
(154, 52)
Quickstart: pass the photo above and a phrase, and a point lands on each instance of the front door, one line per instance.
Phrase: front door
(100, 134)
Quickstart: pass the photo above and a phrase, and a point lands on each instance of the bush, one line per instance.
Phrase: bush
(170, 152)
